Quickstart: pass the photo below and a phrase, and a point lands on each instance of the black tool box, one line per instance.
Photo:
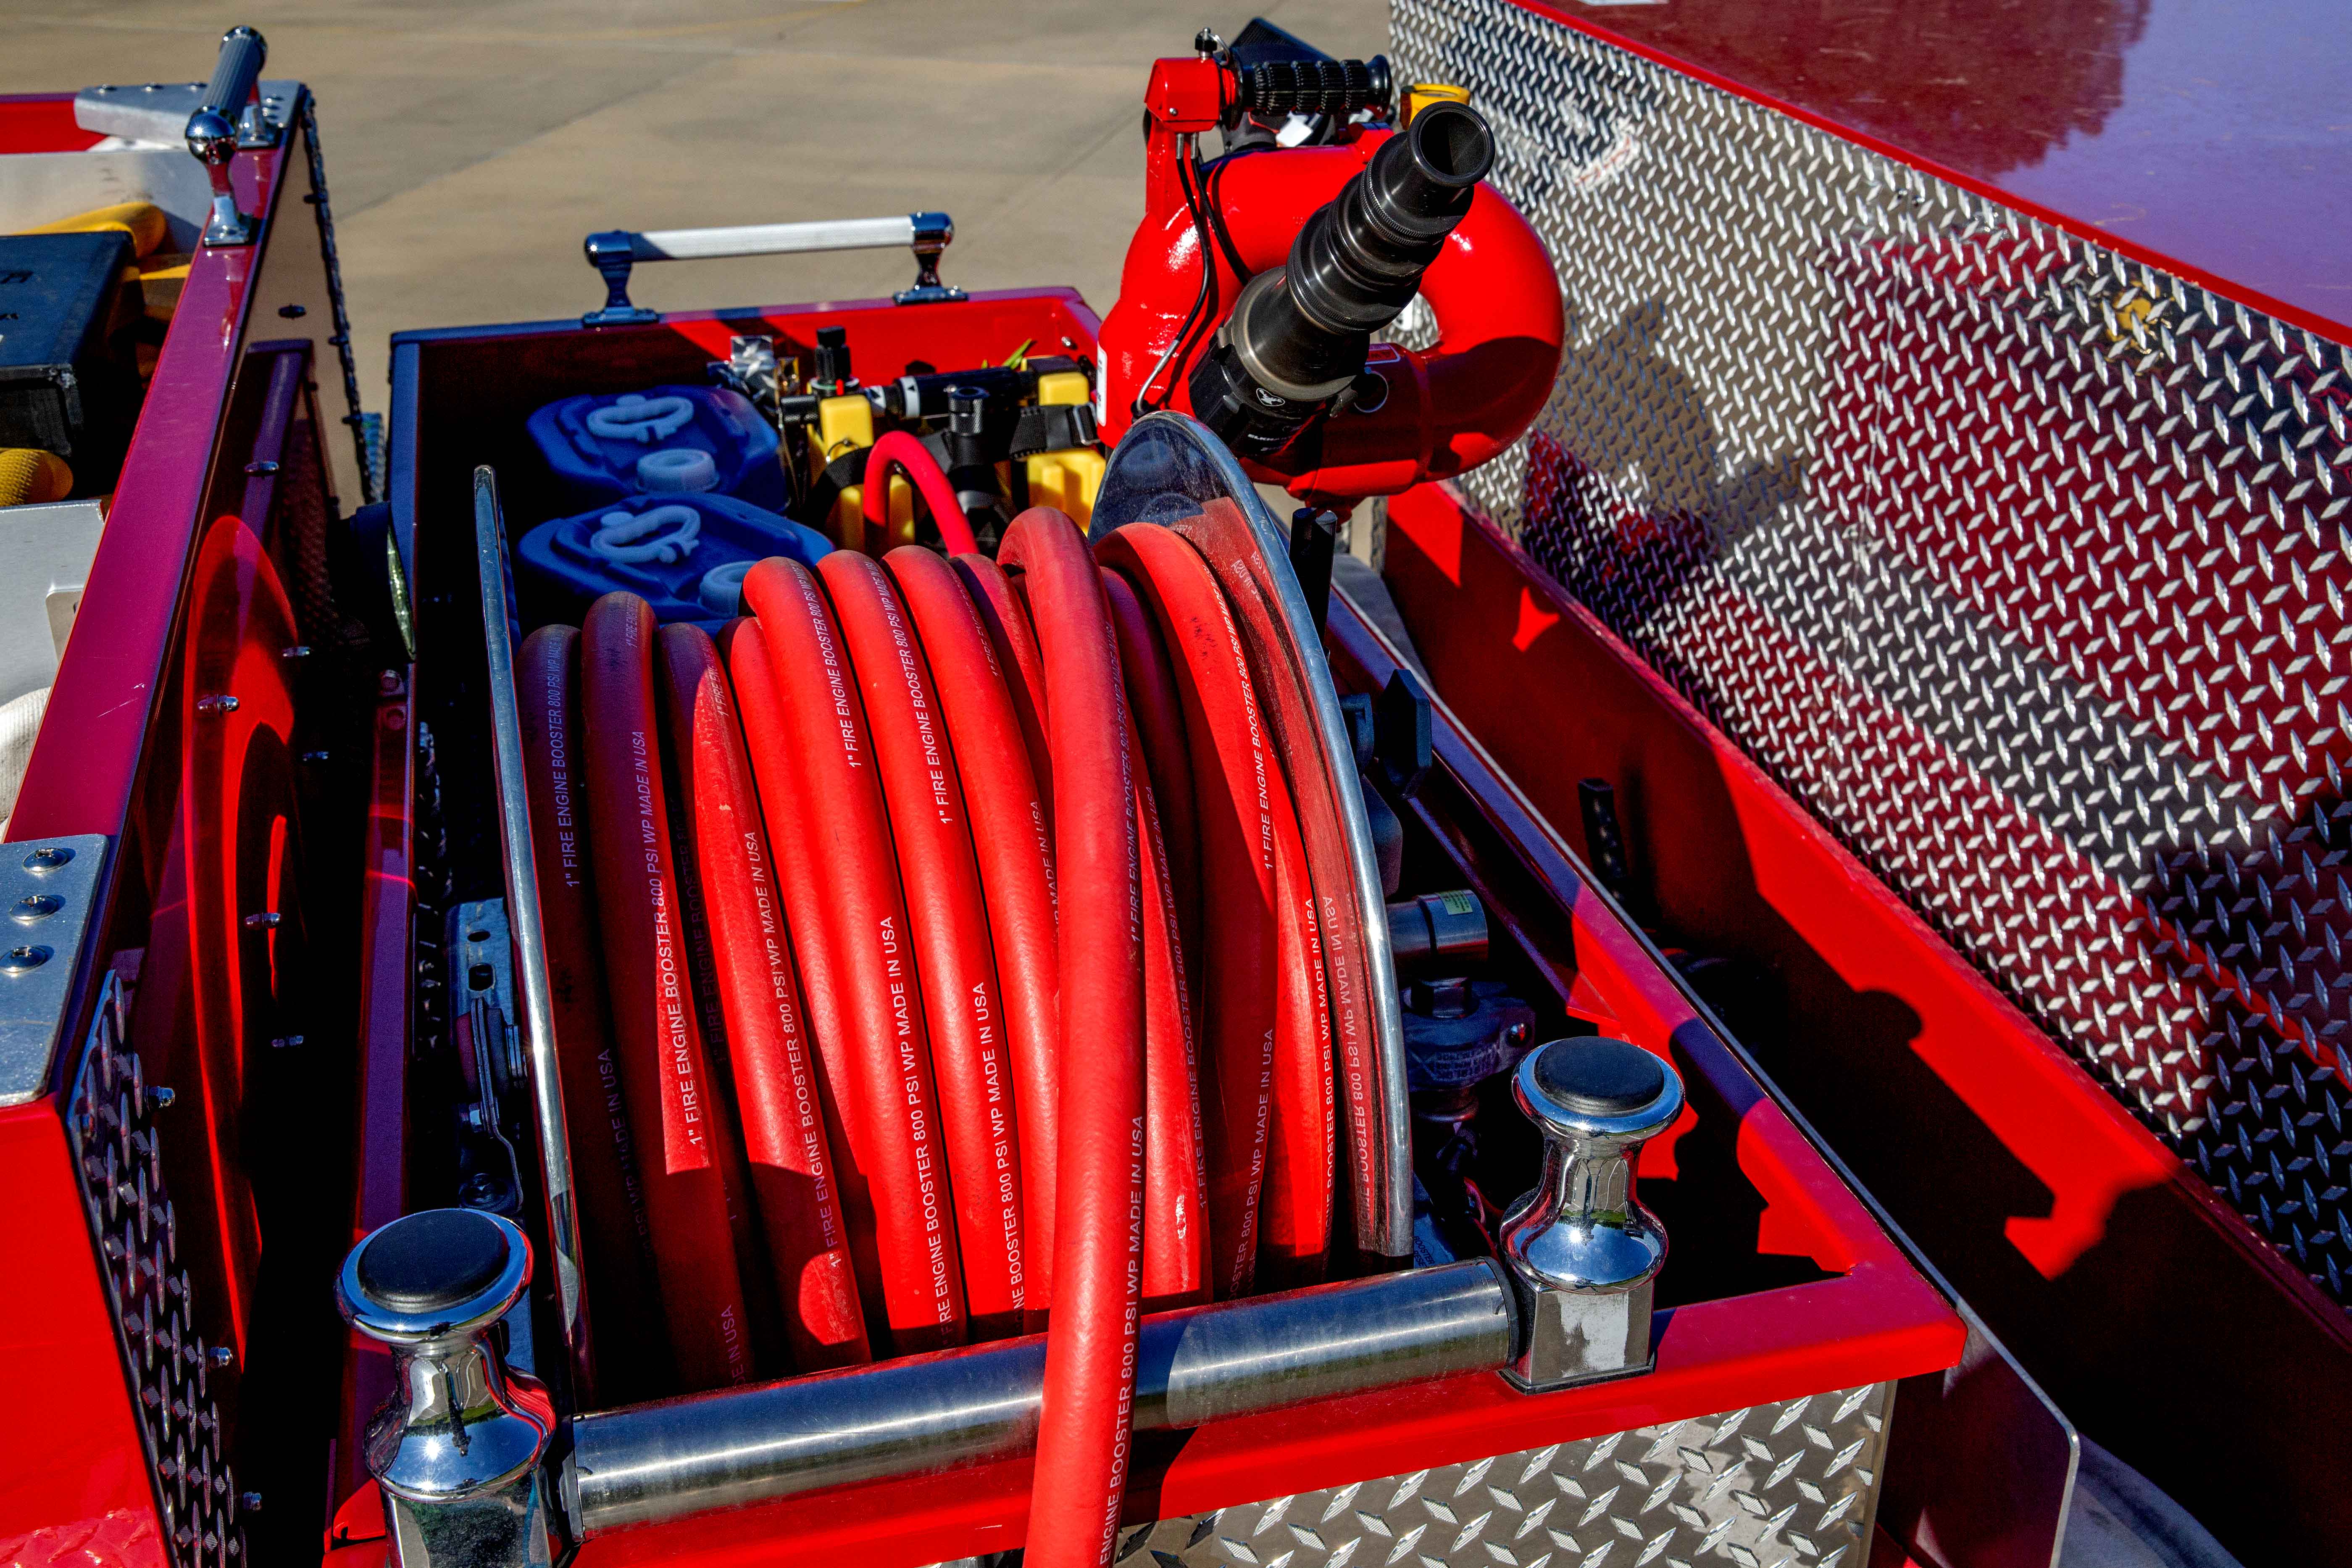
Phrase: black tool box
(68, 369)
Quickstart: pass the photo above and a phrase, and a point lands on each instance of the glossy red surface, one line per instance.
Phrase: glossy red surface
(2087, 1245)
(2212, 135)
(73, 1476)
(41, 122)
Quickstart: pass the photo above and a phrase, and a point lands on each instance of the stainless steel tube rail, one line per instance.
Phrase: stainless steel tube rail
(615, 252)
(671, 1460)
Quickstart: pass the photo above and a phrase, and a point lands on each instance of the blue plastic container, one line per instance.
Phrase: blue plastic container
(684, 554)
(666, 438)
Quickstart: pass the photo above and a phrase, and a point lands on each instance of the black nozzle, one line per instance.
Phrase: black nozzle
(1359, 260)
(1300, 336)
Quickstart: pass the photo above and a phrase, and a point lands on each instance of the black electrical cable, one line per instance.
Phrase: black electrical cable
(1203, 312)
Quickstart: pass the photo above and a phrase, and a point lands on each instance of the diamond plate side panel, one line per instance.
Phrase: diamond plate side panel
(1789, 1483)
(114, 1134)
(2020, 563)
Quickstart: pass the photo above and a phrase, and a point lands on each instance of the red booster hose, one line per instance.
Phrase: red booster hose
(774, 1074)
(898, 450)
(1084, 1435)
(1159, 709)
(953, 964)
(659, 1048)
(1015, 964)
(1006, 620)
(613, 1233)
(1231, 772)
(1175, 1164)
(848, 918)
(1012, 843)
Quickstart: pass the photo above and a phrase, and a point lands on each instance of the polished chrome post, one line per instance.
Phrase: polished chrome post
(458, 1449)
(1583, 1253)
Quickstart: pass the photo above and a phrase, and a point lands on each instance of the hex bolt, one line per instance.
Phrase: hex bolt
(267, 920)
(220, 702)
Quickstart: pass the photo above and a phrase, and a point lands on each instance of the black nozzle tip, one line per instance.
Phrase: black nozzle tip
(1451, 144)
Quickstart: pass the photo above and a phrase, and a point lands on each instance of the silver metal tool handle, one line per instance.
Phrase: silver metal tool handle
(614, 252)
(780, 238)
(212, 128)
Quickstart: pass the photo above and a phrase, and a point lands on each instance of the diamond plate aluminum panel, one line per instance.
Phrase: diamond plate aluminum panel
(111, 1124)
(2020, 563)
(1788, 1483)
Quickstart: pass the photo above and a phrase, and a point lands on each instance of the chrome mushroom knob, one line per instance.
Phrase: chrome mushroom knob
(457, 1447)
(1582, 1252)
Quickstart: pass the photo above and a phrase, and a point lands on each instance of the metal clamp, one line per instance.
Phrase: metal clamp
(214, 134)
(1582, 1252)
(458, 1449)
(614, 253)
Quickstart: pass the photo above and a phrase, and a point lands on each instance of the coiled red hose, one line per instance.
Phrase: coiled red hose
(953, 964)
(848, 916)
(1042, 880)
(659, 1047)
(620, 1287)
(791, 1174)
(1085, 1437)
(1012, 844)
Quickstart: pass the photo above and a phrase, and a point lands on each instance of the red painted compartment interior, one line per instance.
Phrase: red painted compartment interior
(2095, 1254)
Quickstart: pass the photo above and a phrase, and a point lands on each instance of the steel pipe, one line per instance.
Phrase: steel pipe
(656, 1463)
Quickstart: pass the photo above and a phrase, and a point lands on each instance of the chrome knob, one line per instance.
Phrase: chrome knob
(457, 1447)
(1582, 1252)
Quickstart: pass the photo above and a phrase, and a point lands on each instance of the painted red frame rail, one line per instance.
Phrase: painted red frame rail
(81, 775)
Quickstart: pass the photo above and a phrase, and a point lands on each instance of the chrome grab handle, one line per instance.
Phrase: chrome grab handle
(1583, 1253)
(211, 130)
(615, 252)
(458, 1450)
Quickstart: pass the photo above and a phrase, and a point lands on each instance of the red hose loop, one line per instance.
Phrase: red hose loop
(896, 449)
(614, 1234)
(1006, 619)
(770, 1059)
(1083, 1436)
(848, 918)
(658, 1045)
(950, 972)
(1175, 1161)
(1159, 711)
(1232, 777)
(1012, 842)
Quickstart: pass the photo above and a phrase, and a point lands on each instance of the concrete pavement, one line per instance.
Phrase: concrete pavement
(469, 146)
